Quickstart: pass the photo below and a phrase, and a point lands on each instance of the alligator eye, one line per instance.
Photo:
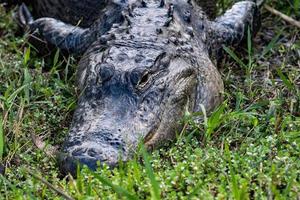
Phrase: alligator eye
(139, 79)
(144, 80)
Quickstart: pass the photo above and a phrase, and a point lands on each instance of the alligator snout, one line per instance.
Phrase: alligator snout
(93, 150)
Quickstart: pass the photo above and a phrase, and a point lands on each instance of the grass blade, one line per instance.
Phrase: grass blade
(12, 97)
(56, 57)
(119, 190)
(49, 185)
(27, 81)
(234, 182)
(196, 190)
(249, 45)
(26, 56)
(1, 139)
(271, 44)
(215, 120)
(151, 176)
(285, 80)
(235, 57)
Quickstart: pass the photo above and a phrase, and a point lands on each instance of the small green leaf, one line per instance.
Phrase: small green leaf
(215, 119)
(27, 81)
(1, 139)
(56, 57)
(26, 56)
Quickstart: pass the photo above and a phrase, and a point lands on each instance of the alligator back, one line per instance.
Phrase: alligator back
(85, 12)
(76, 12)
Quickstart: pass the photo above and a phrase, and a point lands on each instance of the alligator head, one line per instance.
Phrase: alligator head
(140, 98)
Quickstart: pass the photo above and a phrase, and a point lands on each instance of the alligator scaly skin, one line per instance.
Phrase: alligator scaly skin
(143, 65)
(76, 12)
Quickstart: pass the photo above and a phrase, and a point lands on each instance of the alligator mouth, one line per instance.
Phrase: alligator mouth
(159, 132)
(149, 141)
(150, 136)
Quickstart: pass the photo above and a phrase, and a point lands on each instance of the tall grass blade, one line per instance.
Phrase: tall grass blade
(289, 186)
(119, 190)
(12, 97)
(285, 80)
(7, 182)
(234, 56)
(271, 45)
(151, 176)
(249, 45)
(196, 190)
(79, 181)
(234, 182)
(56, 57)
(27, 81)
(297, 6)
(1, 139)
(26, 56)
(49, 185)
(215, 120)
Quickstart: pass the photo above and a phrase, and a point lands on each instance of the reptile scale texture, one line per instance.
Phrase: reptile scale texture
(143, 64)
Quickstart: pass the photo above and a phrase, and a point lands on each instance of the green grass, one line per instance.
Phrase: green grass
(249, 148)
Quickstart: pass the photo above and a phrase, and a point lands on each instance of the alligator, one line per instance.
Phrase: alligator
(143, 65)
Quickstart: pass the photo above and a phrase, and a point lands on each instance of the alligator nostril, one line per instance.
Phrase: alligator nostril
(94, 153)
(116, 144)
(74, 142)
(106, 72)
(79, 152)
